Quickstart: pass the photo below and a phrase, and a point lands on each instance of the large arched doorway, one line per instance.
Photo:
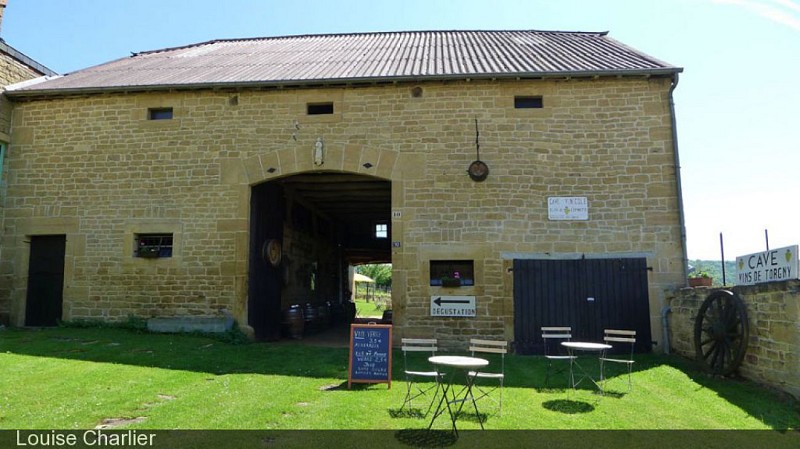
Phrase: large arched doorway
(305, 231)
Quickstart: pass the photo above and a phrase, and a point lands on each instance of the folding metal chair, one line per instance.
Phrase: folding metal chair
(415, 372)
(492, 349)
(553, 351)
(619, 338)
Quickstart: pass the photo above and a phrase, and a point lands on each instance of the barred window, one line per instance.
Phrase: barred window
(153, 245)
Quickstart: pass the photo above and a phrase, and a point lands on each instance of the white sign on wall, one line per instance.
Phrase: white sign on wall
(452, 305)
(567, 208)
(768, 266)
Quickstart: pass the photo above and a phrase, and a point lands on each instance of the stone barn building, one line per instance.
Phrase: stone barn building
(15, 67)
(513, 179)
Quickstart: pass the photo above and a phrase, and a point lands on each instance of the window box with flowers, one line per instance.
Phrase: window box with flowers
(700, 279)
(448, 281)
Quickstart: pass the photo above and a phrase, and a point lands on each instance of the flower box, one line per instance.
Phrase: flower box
(700, 282)
(451, 282)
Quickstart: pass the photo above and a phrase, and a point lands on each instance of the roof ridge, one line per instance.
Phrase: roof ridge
(359, 33)
(364, 58)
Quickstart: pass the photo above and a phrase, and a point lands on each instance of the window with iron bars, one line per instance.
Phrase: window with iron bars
(153, 245)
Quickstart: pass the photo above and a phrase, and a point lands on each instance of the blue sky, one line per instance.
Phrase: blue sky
(738, 100)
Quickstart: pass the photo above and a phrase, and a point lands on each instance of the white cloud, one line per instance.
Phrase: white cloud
(786, 12)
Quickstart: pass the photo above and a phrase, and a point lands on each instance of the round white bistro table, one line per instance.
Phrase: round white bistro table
(583, 346)
(453, 363)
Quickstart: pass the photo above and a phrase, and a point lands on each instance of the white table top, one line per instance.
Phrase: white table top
(458, 361)
(585, 346)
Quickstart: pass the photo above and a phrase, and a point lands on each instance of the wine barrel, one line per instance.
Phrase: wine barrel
(293, 321)
(324, 313)
(311, 316)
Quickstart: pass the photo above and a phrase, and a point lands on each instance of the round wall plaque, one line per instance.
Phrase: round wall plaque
(478, 171)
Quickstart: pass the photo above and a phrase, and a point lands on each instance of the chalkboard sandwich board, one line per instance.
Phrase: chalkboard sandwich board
(370, 354)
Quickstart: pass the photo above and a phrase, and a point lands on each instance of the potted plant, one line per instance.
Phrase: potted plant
(448, 281)
(700, 279)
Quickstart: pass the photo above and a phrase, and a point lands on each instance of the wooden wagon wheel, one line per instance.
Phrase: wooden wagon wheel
(721, 332)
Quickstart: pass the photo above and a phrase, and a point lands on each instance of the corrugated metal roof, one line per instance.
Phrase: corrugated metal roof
(364, 57)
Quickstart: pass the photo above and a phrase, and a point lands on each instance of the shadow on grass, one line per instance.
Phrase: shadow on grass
(614, 394)
(426, 438)
(465, 415)
(185, 352)
(568, 407)
(740, 391)
(407, 413)
(202, 354)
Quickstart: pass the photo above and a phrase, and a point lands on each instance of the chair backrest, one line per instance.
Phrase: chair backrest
(477, 345)
(415, 345)
(620, 336)
(553, 336)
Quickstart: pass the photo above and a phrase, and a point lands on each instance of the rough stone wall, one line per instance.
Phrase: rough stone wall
(773, 309)
(11, 71)
(95, 169)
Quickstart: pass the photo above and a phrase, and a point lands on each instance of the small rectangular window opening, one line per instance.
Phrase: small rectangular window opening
(452, 273)
(381, 231)
(153, 245)
(159, 114)
(319, 108)
(528, 102)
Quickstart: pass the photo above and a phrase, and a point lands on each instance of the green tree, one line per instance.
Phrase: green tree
(714, 269)
(381, 273)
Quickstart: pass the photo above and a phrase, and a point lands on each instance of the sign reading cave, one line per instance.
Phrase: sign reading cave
(567, 208)
(769, 266)
(453, 306)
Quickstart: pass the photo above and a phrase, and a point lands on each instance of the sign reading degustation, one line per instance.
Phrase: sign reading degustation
(773, 265)
(453, 306)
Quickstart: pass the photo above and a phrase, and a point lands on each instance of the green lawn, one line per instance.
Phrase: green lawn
(73, 378)
(366, 309)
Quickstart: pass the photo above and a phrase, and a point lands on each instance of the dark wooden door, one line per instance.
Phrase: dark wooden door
(267, 211)
(45, 280)
(589, 295)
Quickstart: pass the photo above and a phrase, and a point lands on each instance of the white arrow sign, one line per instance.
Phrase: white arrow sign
(452, 305)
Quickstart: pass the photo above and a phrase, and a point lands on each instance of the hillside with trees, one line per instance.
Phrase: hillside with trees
(714, 269)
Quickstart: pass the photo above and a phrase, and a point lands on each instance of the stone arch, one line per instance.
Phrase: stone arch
(355, 159)
(257, 175)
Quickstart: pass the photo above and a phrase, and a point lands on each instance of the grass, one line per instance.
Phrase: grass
(366, 309)
(77, 378)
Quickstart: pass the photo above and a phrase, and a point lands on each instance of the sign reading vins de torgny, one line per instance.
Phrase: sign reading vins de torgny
(777, 264)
